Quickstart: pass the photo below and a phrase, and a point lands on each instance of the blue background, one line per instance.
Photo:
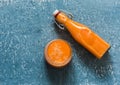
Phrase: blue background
(26, 26)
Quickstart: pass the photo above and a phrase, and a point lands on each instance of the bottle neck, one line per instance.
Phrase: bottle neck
(62, 18)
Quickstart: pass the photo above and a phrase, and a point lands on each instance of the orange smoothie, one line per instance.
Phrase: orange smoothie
(83, 35)
(58, 53)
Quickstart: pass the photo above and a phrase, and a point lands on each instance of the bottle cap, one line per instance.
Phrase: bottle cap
(56, 12)
(58, 53)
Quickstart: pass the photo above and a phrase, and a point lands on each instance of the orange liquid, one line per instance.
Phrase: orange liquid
(58, 53)
(83, 35)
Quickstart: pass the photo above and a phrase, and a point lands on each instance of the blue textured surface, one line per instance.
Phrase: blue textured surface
(26, 26)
